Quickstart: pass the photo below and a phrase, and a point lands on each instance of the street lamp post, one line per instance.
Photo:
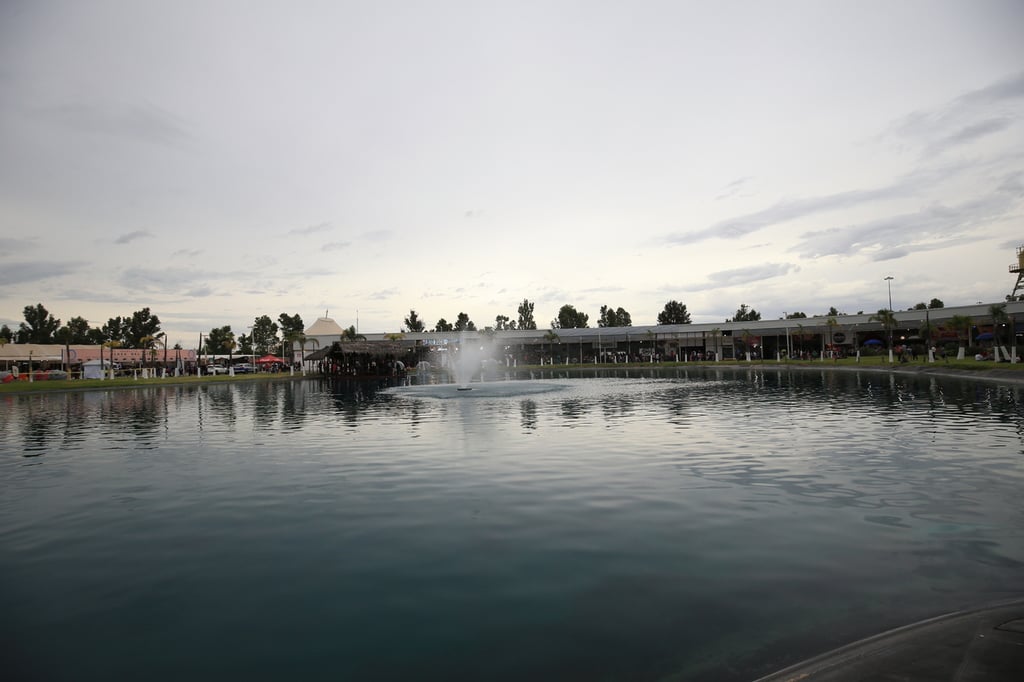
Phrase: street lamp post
(888, 281)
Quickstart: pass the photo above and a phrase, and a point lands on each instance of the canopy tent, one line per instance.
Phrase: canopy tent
(872, 342)
(986, 336)
(270, 359)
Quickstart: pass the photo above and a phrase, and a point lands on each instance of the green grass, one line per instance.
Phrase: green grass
(25, 386)
(867, 363)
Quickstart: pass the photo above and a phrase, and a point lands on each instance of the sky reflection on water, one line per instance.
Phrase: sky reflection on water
(630, 526)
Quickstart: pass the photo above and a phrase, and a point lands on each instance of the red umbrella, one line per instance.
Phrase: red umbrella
(269, 359)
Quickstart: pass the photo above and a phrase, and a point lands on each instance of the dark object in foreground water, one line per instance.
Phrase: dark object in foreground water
(981, 644)
(464, 388)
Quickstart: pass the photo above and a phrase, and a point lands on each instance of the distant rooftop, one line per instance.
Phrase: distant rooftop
(324, 326)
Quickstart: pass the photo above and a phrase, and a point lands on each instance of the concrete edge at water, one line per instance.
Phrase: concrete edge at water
(984, 643)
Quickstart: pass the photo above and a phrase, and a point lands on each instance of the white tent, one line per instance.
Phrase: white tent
(93, 369)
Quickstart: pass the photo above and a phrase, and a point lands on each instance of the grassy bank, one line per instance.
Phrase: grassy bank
(961, 368)
(25, 386)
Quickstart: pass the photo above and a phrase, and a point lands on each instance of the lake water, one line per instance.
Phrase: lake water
(625, 526)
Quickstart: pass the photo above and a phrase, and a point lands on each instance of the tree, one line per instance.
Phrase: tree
(832, 312)
(961, 324)
(443, 325)
(936, 303)
(526, 315)
(745, 314)
(293, 337)
(228, 344)
(115, 329)
(291, 326)
(674, 313)
(263, 335)
(216, 338)
(464, 324)
(147, 343)
(39, 325)
(290, 323)
(919, 306)
(350, 334)
(76, 331)
(831, 323)
(503, 322)
(551, 337)
(413, 323)
(997, 311)
(614, 318)
(141, 324)
(888, 320)
(796, 316)
(570, 318)
(302, 340)
(6, 334)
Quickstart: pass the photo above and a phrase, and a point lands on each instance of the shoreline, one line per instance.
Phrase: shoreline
(994, 374)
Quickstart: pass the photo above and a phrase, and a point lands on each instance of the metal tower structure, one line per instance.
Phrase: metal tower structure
(1018, 269)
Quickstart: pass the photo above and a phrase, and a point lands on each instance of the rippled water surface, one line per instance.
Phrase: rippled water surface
(633, 526)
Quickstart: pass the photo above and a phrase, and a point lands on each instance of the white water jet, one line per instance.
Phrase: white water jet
(465, 362)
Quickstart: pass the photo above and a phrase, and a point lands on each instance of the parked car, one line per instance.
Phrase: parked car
(244, 368)
(216, 369)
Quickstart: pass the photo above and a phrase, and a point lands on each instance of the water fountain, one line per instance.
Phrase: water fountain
(464, 362)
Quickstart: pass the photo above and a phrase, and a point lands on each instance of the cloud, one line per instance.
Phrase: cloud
(965, 119)
(310, 229)
(335, 246)
(384, 294)
(740, 276)
(145, 121)
(173, 281)
(35, 271)
(1009, 88)
(9, 245)
(970, 133)
(376, 235)
(785, 211)
(934, 226)
(132, 236)
(734, 187)
(1012, 184)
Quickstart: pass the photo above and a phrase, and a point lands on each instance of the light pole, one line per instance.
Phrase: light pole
(888, 281)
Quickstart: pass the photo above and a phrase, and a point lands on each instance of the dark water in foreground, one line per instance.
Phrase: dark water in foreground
(630, 527)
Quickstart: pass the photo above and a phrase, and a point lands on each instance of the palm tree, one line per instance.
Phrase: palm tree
(747, 336)
(229, 344)
(888, 320)
(997, 311)
(716, 333)
(832, 323)
(551, 337)
(961, 324)
(926, 331)
(800, 340)
(111, 345)
(351, 334)
(303, 340)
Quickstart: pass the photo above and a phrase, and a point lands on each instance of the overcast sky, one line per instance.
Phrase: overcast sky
(217, 161)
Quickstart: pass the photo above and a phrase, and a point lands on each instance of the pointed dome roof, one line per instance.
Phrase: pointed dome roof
(324, 326)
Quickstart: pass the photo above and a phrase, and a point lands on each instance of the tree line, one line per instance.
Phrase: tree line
(568, 318)
(142, 330)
